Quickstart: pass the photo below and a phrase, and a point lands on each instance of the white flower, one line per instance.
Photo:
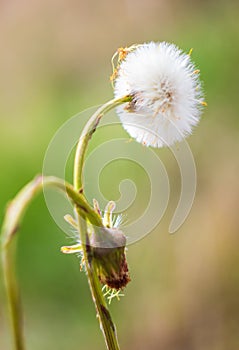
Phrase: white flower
(165, 89)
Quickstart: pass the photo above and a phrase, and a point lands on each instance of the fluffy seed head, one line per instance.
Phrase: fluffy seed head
(166, 93)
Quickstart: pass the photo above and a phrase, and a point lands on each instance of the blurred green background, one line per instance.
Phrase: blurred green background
(55, 62)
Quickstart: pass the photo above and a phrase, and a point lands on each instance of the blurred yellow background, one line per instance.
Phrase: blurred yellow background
(55, 62)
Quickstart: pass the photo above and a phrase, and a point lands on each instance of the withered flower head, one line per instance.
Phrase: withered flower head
(105, 248)
(108, 256)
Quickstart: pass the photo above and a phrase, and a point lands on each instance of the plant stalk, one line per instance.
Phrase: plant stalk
(86, 135)
(106, 324)
(13, 217)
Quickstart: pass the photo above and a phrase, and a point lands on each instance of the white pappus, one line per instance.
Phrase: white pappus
(166, 93)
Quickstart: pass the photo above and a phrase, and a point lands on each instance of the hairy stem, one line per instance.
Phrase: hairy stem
(86, 135)
(11, 224)
(106, 324)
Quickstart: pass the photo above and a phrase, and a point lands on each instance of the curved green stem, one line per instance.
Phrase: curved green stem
(106, 324)
(14, 215)
(86, 135)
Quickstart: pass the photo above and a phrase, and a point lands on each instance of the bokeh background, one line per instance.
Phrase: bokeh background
(55, 61)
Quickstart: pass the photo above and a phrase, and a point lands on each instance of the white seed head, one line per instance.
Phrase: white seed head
(166, 93)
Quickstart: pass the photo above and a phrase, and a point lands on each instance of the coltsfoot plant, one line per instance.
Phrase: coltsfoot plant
(158, 98)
